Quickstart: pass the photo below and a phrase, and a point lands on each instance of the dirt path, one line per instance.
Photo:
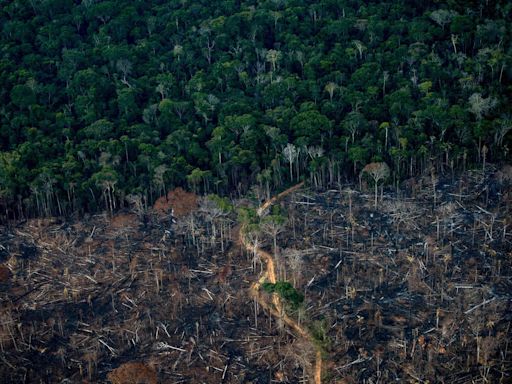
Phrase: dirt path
(276, 308)
(267, 204)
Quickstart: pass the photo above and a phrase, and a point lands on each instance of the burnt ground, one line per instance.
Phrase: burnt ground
(416, 289)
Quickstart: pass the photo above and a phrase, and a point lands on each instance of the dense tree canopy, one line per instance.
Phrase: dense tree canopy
(103, 99)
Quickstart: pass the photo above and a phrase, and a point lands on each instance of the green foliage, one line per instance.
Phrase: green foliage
(223, 203)
(248, 216)
(318, 329)
(274, 220)
(214, 91)
(286, 291)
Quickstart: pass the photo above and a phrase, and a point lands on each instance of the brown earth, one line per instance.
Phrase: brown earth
(133, 373)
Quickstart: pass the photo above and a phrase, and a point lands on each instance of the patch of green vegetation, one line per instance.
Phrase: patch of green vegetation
(248, 216)
(318, 330)
(223, 203)
(277, 210)
(287, 292)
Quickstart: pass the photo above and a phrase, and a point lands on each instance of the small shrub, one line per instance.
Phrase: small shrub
(286, 291)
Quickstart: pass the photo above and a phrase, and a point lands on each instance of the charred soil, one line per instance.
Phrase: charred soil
(416, 289)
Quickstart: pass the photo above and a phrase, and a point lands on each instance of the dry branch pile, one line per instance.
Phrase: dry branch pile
(80, 299)
(416, 289)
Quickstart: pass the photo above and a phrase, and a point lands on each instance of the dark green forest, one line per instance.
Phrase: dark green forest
(107, 102)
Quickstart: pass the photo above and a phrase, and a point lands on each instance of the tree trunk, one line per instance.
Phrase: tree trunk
(376, 194)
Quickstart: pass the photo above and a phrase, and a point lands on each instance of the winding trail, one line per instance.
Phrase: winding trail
(276, 307)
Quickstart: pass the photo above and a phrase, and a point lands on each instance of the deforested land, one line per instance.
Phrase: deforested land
(415, 289)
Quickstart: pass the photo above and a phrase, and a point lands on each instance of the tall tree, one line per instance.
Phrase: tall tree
(378, 172)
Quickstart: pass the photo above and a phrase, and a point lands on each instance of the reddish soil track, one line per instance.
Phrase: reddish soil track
(276, 307)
